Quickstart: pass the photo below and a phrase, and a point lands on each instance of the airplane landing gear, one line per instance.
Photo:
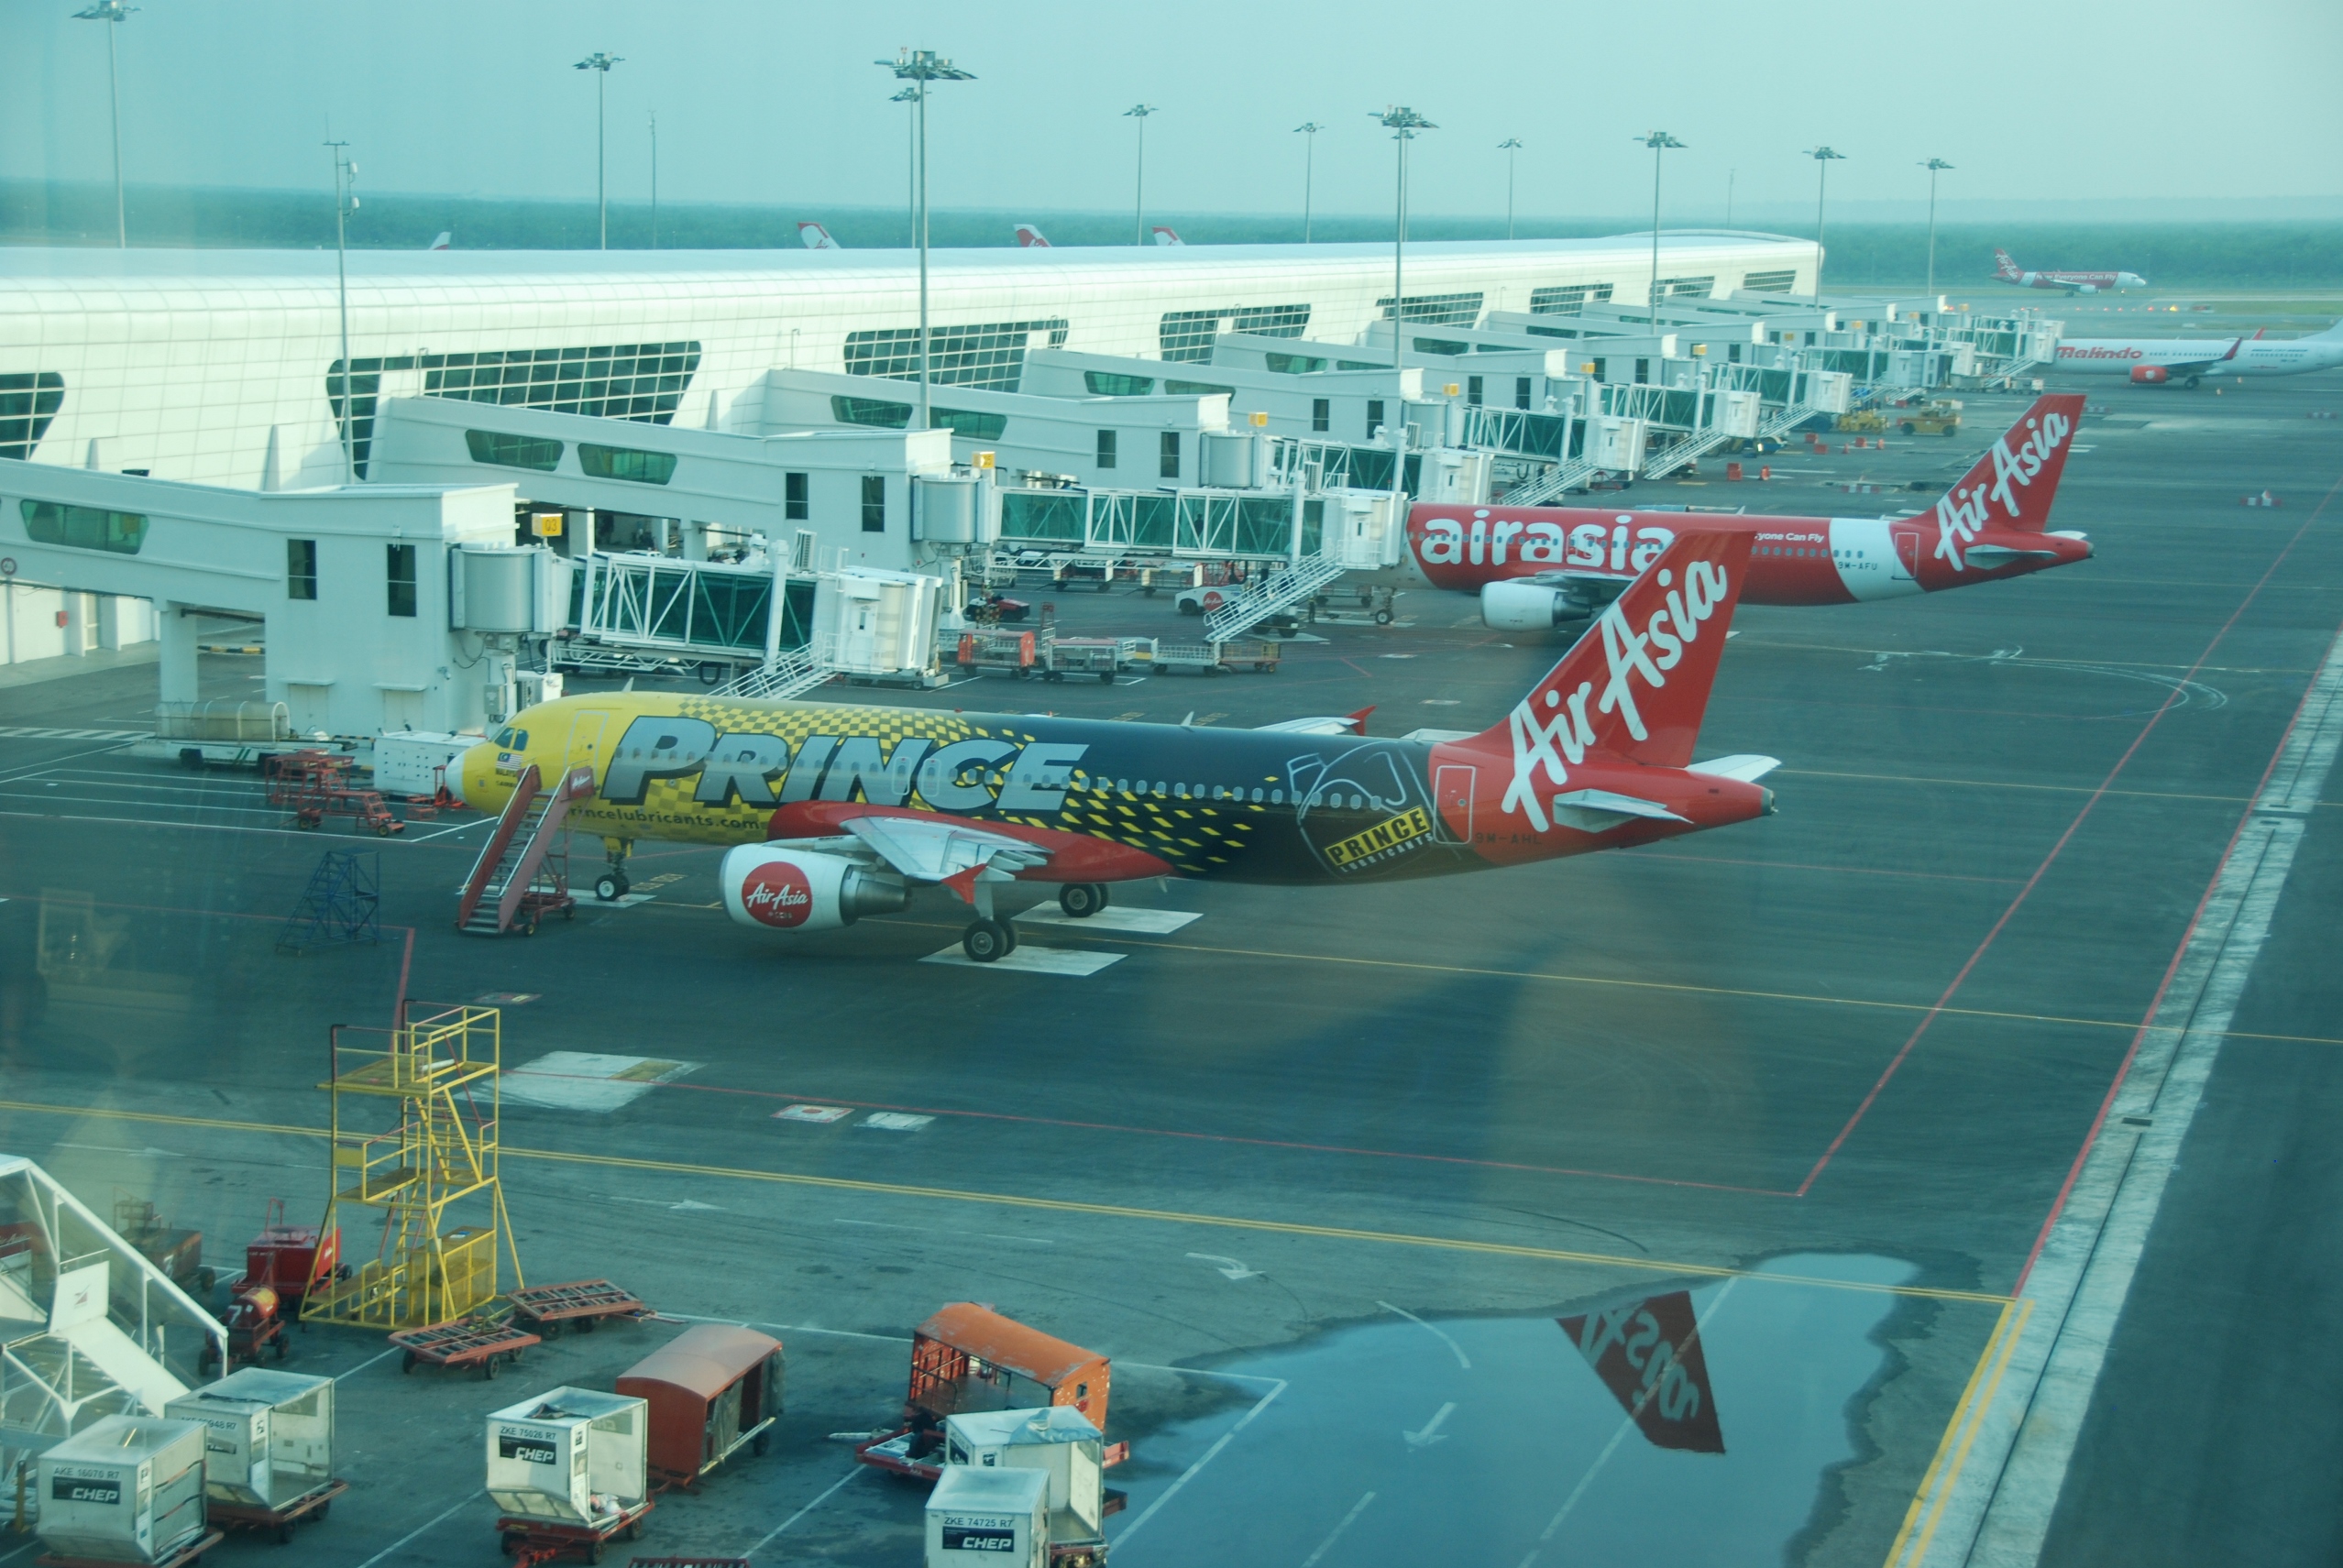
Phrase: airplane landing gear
(613, 884)
(1081, 900)
(987, 940)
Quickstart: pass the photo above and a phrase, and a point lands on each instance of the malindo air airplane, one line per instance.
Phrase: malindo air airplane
(834, 811)
(2186, 361)
(1536, 567)
(2008, 271)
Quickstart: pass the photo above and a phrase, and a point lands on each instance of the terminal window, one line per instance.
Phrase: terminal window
(795, 506)
(1295, 364)
(1567, 299)
(301, 569)
(1185, 337)
(1780, 283)
(84, 528)
(1109, 384)
(628, 380)
(1520, 391)
(1320, 415)
(1170, 467)
(1374, 416)
(401, 578)
(513, 451)
(874, 503)
(28, 400)
(1671, 288)
(1473, 391)
(988, 354)
(1105, 449)
(1435, 309)
(626, 463)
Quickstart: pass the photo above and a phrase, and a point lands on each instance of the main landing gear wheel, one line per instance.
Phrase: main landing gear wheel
(1081, 900)
(611, 886)
(987, 942)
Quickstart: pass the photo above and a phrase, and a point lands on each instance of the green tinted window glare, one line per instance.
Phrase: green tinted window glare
(513, 451)
(870, 411)
(1107, 384)
(84, 528)
(625, 463)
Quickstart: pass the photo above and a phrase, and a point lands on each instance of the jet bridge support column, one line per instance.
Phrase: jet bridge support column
(175, 635)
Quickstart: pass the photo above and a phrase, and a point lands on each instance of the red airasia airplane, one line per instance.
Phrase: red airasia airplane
(1536, 567)
(2006, 268)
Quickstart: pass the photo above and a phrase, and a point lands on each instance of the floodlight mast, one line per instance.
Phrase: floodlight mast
(1659, 142)
(1309, 131)
(1403, 122)
(599, 63)
(920, 67)
(113, 11)
(1823, 157)
(1139, 111)
(1511, 147)
(1934, 167)
(345, 177)
(911, 96)
(654, 179)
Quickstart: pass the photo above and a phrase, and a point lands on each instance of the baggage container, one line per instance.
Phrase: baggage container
(571, 1456)
(1059, 1442)
(127, 1489)
(268, 1436)
(709, 1391)
(989, 1516)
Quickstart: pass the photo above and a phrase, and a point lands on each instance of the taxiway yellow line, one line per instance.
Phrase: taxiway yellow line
(1935, 1490)
(1060, 1206)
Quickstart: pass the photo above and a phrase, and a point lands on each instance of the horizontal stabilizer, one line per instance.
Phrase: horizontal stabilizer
(1594, 810)
(1746, 766)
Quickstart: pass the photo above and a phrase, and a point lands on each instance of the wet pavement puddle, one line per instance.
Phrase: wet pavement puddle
(1685, 1427)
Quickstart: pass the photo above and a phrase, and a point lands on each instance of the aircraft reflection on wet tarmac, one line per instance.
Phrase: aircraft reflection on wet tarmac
(1484, 1440)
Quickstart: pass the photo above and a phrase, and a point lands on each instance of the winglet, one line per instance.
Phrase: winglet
(1359, 720)
(964, 883)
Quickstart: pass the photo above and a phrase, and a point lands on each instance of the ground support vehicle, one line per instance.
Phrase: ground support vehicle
(277, 1522)
(1017, 653)
(1863, 422)
(1942, 417)
(256, 1326)
(488, 1343)
(1100, 656)
(580, 1304)
(1375, 607)
(541, 1541)
(315, 785)
(1211, 658)
(968, 1357)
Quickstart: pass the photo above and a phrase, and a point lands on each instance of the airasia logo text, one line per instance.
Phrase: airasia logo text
(1963, 514)
(1621, 546)
(777, 895)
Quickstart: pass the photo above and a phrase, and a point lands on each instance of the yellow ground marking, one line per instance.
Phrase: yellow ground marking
(1935, 1491)
(1060, 1205)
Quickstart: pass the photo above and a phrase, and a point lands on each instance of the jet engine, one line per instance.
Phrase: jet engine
(1528, 606)
(2149, 375)
(803, 890)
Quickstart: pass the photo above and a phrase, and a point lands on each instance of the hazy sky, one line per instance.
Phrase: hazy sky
(781, 102)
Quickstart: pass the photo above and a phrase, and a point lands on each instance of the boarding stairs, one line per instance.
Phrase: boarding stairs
(1780, 423)
(515, 855)
(1562, 477)
(794, 674)
(1693, 447)
(1266, 595)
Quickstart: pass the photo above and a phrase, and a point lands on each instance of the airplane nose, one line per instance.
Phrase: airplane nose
(461, 766)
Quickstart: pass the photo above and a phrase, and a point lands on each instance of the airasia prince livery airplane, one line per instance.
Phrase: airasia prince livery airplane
(1536, 567)
(835, 811)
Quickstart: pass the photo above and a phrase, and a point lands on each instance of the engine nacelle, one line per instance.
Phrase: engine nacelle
(2149, 375)
(803, 890)
(1528, 606)
(2086, 288)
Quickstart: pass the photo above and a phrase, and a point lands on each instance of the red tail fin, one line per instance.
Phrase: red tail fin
(1636, 684)
(2013, 483)
(2004, 266)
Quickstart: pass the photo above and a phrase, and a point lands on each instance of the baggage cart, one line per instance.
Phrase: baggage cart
(1015, 651)
(711, 1391)
(180, 1557)
(277, 1522)
(581, 1303)
(1211, 658)
(969, 1357)
(487, 1343)
(1099, 656)
(567, 1474)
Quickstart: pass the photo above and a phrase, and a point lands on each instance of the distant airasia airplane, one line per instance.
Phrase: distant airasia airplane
(1165, 234)
(816, 237)
(1031, 238)
(2007, 269)
(1536, 567)
(2185, 361)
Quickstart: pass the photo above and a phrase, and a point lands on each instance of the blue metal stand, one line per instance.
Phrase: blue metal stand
(341, 906)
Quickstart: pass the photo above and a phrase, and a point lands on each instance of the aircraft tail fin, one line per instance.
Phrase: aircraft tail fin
(1031, 238)
(1165, 234)
(447, 238)
(816, 237)
(2013, 483)
(2004, 265)
(1635, 685)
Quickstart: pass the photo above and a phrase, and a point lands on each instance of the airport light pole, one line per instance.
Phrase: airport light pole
(1823, 157)
(920, 67)
(1309, 131)
(1511, 147)
(1139, 111)
(345, 203)
(1731, 175)
(1659, 142)
(113, 11)
(1403, 122)
(600, 64)
(1934, 166)
(654, 179)
(910, 160)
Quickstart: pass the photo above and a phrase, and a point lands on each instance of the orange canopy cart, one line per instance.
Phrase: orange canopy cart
(969, 1357)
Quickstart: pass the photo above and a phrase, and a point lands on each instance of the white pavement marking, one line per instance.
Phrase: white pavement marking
(1462, 1359)
(1208, 1455)
(581, 1081)
(1032, 960)
(801, 1513)
(1998, 1510)
(1144, 921)
(895, 1121)
(1336, 1534)
(436, 1519)
(1228, 1267)
(820, 1114)
(369, 1362)
(20, 732)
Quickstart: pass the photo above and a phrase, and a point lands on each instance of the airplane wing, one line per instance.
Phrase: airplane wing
(940, 850)
(1339, 724)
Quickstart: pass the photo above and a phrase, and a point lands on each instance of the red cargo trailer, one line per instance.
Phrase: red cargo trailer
(969, 1357)
(713, 1390)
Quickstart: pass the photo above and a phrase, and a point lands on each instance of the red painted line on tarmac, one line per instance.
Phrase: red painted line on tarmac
(2123, 761)
(2131, 1053)
(1810, 866)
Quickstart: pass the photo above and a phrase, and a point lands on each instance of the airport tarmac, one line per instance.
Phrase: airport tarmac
(1321, 1168)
